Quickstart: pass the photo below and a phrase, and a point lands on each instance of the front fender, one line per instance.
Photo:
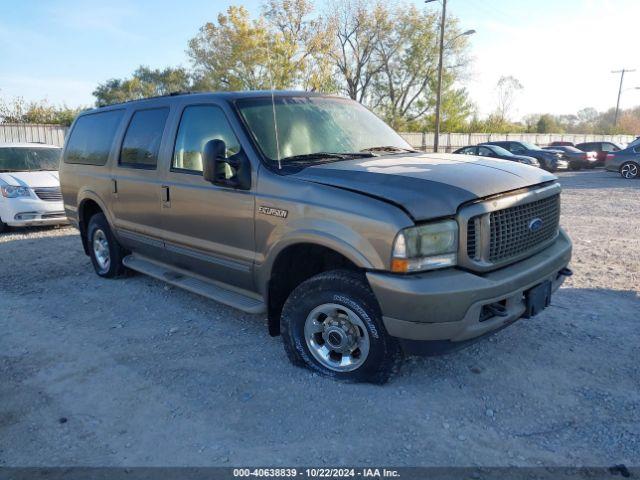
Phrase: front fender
(363, 256)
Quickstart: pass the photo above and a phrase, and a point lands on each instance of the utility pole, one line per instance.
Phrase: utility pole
(621, 72)
(436, 141)
(443, 20)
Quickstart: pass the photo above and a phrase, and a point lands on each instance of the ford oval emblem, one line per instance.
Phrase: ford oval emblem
(535, 224)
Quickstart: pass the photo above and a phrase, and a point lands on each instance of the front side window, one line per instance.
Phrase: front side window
(200, 124)
(307, 126)
(485, 152)
(142, 140)
(25, 159)
(91, 138)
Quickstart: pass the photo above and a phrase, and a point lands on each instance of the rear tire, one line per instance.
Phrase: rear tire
(105, 251)
(630, 170)
(332, 325)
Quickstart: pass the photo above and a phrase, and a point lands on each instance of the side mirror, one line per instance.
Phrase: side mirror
(213, 155)
(215, 166)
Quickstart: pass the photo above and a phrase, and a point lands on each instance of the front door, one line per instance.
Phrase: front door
(209, 229)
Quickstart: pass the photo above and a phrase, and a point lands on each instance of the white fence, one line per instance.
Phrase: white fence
(55, 135)
(32, 132)
(452, 141)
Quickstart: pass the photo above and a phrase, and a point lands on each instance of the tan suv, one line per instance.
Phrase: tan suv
(312, 210)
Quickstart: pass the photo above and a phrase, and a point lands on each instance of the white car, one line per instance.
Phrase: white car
(29, 185)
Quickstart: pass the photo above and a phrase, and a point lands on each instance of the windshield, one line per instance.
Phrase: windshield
(530, 146)
(24, 159)
(316, 125)
(502, 151)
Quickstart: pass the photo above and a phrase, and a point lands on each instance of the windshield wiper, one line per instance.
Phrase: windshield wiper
(389, 149)
(324, 156)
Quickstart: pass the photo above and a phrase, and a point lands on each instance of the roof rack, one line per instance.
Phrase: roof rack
(170, 94)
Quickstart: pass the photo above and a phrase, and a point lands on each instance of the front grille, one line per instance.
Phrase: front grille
(52, 215)
(511, 232)
(471, 238)
(497, 236)
(49, 194)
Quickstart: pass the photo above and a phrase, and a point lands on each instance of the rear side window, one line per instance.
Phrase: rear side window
(92, 137)
(142, 140)
(199, 124)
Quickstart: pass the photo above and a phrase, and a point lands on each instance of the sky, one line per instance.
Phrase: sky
(562, 51)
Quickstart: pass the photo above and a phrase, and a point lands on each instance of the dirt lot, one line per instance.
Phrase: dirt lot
(132, 372)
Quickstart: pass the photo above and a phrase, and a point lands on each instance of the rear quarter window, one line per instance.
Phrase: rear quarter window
(142, 140)
(92, 137)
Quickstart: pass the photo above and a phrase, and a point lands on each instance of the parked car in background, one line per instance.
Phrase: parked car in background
(626, 162)
(549, 160)
(577, 158)
(601, 148)
(495, 151)
(29, 185)
(635, 143)
(562, 144)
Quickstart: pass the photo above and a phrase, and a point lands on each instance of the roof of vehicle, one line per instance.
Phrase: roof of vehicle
(26, 145)
(231, 96)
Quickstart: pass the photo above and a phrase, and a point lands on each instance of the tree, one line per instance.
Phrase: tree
(357, 25)
(507, 89)
(284, 49)
(547, 124)
(144, 83)
(408, 49)
(17, 110)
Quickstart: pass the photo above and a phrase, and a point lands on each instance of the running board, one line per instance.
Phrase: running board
(196, 284)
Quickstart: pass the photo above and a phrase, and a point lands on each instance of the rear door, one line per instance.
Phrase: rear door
(136, 186)
(209, 229)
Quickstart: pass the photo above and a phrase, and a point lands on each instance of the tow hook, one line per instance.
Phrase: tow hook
(565, 272)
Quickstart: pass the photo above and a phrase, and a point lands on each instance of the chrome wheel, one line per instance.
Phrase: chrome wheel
(337, 337)
(629, 170)
(101, 249)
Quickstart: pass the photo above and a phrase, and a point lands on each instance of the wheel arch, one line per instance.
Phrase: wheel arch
(89, 204)
(295, 261)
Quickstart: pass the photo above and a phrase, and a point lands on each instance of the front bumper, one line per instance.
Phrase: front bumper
(447, 304)
(27, 212)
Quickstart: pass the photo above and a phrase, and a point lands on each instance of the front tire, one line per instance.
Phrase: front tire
(630, 170)
(3, 227)
(332, 324)
(105, 251)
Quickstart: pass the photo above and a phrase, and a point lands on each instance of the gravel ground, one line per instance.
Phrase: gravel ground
(133, 372)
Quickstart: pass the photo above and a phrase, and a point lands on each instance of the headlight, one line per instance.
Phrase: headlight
(10, 191)
(426, 247)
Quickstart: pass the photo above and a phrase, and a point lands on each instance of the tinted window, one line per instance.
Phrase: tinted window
(142, 140)
(198, 125)
(485, 152)
(92, 137)
(517, 148)
(468, 151)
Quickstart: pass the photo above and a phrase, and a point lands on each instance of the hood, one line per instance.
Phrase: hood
(427, 185)
(30, 179)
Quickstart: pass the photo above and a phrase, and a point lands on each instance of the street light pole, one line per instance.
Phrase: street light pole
(443, 20)
(436, 140)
